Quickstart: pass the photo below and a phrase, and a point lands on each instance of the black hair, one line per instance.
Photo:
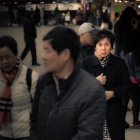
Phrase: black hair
(62, 37)
(103, 34)
(125, 35)
(127, 15)
(117, 14)
(9, 42)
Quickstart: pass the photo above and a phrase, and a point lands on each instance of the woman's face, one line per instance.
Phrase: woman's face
(103, 47)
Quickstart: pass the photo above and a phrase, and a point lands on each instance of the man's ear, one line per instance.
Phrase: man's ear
(66, 54)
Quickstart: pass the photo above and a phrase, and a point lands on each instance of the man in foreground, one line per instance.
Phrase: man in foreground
(69, 103)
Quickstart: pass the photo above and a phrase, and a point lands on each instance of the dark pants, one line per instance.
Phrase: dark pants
(135, 97)
(125, 101)
(30, 45)
(5, 138)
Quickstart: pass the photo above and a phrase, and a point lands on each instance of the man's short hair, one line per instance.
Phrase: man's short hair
(9, 42)
(86, 27)
(62, 37)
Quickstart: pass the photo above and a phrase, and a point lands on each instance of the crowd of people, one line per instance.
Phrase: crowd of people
(15, 16)
(83, 94)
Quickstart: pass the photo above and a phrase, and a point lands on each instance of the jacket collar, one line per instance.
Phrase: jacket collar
(64, 84)
(110, 61)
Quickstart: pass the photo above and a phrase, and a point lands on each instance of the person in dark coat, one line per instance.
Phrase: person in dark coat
(134, 93)
(69, 103)
(56, 14)
(36, 16)
(29, 37)
(127, 41)
(112, 73)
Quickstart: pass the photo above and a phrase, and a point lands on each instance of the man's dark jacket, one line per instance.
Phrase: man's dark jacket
(85, 51)
(78, 113)
(118, 81)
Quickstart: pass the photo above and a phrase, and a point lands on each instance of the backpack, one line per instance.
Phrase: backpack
(29, 81)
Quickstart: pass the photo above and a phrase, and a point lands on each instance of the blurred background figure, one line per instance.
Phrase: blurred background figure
(126, 38)
(116, 18)
(79, 17)
(127, 42)
(42, 14)
(56, 14)
(106, 24)
(11, 15)
(29, 37)
(37, 16)
(15, 94)
(86, 33)
(68, 18)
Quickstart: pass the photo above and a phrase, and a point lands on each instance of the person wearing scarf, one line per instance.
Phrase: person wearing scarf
(15, 104)
(5, 99)
(111, 71)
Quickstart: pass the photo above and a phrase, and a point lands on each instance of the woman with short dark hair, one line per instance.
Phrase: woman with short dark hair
(111, 72)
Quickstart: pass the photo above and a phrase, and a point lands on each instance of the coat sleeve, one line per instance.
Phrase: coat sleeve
(86, 63)
(92, 116)
(124, 85)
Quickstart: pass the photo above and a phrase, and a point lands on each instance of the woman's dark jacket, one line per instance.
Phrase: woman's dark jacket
(77, 113)
(117, 80)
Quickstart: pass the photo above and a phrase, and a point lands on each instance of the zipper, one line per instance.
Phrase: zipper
(50, 114)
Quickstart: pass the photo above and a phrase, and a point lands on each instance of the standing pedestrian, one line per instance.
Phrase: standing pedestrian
(69, 103)
(112, 73)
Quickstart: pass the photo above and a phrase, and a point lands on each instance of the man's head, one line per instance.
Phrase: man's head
(8, 53)
(61, 45)
(86, 31)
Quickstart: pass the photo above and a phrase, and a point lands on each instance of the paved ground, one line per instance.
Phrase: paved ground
(17, 33)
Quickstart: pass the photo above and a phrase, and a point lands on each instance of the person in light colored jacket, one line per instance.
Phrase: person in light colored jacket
(15, 98)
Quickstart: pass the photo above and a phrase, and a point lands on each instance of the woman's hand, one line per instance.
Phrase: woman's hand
(101, 78)
(109, 94)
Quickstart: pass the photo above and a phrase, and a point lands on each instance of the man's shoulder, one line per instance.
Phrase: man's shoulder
(88, 80)
(43, 78)
(89, 85)
(91, 60)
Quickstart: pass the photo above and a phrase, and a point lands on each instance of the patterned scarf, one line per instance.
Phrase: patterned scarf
(103, 61)
(106, 134)
(5, 99)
